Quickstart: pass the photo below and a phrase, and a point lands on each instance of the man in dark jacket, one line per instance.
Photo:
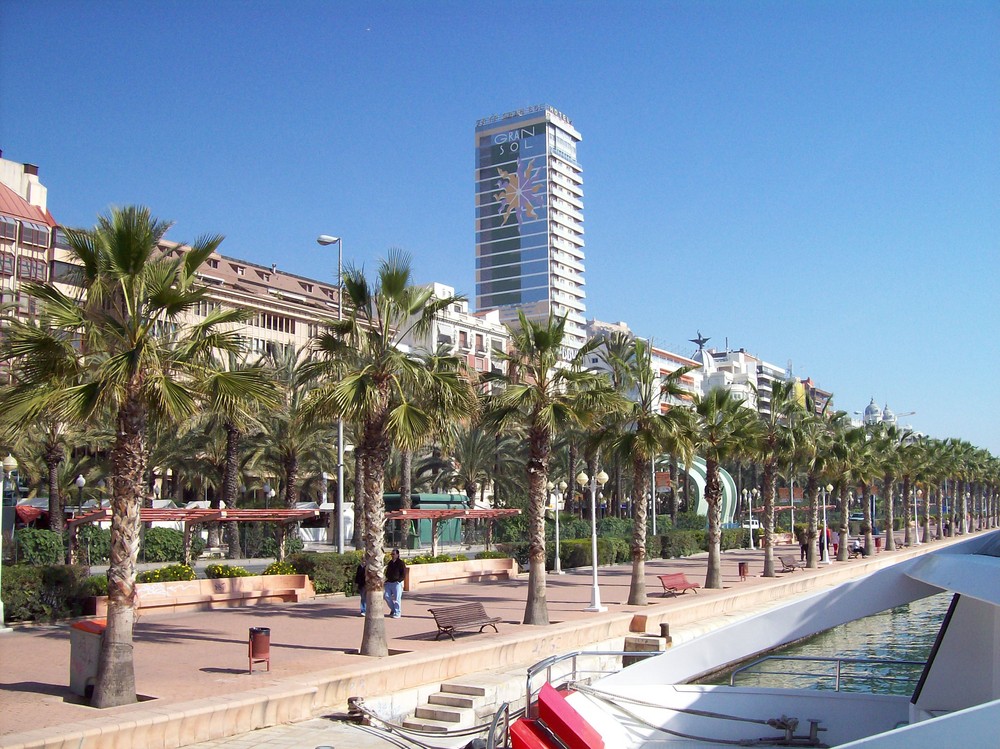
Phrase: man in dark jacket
(359, 583)
(395, 572)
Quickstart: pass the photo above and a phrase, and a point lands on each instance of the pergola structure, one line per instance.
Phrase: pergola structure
(192, 517)
(436, 515)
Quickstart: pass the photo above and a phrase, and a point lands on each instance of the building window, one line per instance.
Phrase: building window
(239, 270)
(31, 270)
(6, 265)
(479, 343)
(463, 339)
(8, 228)
(35, 235)
(212, 263)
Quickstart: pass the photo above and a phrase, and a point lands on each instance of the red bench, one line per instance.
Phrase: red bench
(677, 581)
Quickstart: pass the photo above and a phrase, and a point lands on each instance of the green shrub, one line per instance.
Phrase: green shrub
(330, 573)
(491, 554)
(428, 559)
(95, 585)
(94, 543)
(42, 592)
(576, 552)
(614, 528)
(170, 573)
(164, 545)
(570, 526)
(517, 550)
(691, 521)
(216, 571)
(682, 543)
(511, 530)
(280, 568)
(37, 546)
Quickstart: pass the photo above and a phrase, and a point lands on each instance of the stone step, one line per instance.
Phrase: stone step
(473, 690)
(452, 699)
(428, 724)
(453, 715)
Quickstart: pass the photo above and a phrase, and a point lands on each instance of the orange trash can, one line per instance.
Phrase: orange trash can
(259, 646)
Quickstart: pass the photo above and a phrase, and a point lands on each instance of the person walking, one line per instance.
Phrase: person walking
(395, 572)
(359, 583)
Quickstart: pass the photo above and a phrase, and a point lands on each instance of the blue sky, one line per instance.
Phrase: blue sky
(815, 182)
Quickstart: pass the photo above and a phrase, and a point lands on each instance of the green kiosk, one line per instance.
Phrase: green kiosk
(415, 534)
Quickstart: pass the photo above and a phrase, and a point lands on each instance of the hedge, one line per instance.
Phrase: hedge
(42, 592)
(38, 546)
(330, 573)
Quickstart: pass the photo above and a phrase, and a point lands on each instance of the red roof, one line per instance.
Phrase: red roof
(447, 514)
(13, 204)
(197, 515)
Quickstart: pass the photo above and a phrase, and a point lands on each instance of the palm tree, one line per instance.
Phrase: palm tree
(541, 395)
(723, 427)
(773, 448)
(134, 359)
(235, 391)
(641, 434)
(390, 394)
(864, 469)
(293, 431)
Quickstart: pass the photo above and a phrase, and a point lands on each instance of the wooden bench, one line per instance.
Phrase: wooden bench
(464, 616)
(676, 581)
(790, 564)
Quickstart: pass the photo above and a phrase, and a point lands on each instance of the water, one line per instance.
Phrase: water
(905, 633)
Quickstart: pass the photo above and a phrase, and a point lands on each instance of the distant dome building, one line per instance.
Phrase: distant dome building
(888, 417)
(873, 414)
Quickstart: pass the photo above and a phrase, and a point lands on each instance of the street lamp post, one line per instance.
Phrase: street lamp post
(582, 479)
(80, 482)
(9, 466)
(324, 240)
(826, 531)
(750, 498)
(561, 486)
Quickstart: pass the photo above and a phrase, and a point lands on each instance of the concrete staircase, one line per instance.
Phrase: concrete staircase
(461, 703)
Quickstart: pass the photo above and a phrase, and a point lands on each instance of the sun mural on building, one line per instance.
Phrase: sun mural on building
(519, 196)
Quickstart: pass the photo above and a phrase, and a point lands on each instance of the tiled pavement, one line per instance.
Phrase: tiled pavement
(195, 664)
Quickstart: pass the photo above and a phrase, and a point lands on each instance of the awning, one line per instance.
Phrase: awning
(200, 515)
(27, 513)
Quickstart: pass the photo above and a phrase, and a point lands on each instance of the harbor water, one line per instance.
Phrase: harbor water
(880, 654)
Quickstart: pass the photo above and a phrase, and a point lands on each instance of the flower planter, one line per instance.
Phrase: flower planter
(448, 573)
(220, 593)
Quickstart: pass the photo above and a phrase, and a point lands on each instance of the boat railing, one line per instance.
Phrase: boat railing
(596, 663)
(608, 662)
(840, 672)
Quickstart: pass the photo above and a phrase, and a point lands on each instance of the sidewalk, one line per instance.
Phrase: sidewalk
(193, 667)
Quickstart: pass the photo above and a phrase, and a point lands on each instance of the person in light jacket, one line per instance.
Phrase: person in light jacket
(395, 572)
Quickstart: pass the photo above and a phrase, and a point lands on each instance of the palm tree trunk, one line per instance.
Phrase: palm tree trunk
(908, 507)
(376, 448)
(288, 530)
(869, 525)
(713, 497)
(359, 497)
(115, 683)
(843, 528)
(637, 585)
(53, 457)
(812, 529)
(536, 610)
(770, 484)
(230, 488)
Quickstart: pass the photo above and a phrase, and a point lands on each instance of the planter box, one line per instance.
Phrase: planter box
(446, 573)
(221, 593)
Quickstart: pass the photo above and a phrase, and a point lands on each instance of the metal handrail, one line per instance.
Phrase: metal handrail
(838, 674)
(574, 672)
(503, 712)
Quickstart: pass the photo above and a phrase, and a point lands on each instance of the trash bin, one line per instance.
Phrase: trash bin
(260, 646)
(878, 543)
(85, 640)
(744, 568)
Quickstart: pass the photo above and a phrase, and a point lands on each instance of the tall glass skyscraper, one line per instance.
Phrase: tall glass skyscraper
(529, 219)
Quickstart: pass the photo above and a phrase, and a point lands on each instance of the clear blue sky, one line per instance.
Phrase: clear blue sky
(812, 181)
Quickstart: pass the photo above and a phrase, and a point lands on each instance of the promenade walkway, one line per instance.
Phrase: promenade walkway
(193, 667)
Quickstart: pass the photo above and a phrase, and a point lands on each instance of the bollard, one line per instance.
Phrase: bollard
(744, 568)
(259, 646)
(665, 633)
